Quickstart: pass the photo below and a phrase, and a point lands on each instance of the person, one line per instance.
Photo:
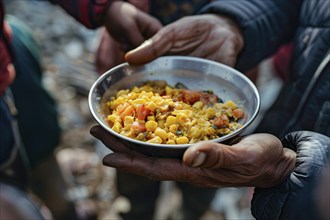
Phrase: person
(244, 33)
(29, 128)
(111, 53)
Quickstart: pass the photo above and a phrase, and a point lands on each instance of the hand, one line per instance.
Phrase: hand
(207, 36)
(109, 53)
(290, 199)
(128, 25)
(257, 160)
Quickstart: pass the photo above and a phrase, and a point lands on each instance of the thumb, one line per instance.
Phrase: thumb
(212, 155)
(155, 47)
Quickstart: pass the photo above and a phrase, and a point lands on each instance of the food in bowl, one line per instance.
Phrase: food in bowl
(156, 112)
(199, 74)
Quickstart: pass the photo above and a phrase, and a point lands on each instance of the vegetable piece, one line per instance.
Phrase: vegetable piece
(182, 140)
(221, 121)
(190, 96)
(151, 126)
(142, 112)
(238, 113)
(138, 126)
(155, 140)
(161, 133)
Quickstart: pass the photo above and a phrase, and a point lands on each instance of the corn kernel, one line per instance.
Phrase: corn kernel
(155, 140)
(168, 90)
(195, 132)
(137, 102)
(198, 105)
(170, 120)
(173, 128)
(151, 106)
(161, 133)
(161, 123)
(151, 126)
(151, 118)
(182, 140)
(171, 136)
(112, 118)
(122, 92)
(135, 89)
(230, 104)
(170, 142)
(119, 101)
(210, 112)
(164, 107)
(128, 120)
(181, 118)
(116, 127)
(209, 131)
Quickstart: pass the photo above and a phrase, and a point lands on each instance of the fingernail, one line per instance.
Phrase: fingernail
(199, 159)
(145, 43)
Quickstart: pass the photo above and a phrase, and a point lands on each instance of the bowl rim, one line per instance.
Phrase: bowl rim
(219, 140)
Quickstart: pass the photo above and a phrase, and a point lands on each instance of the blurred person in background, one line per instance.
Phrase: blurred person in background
(29, 128)
(244, 33)
(195, 200)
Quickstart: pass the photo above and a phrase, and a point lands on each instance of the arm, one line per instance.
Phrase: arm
(224, 31)
(90, 13)
(123, 21)
(287, 199)
(257, 160)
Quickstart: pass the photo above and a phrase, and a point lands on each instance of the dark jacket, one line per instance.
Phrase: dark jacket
(297, 197)
(304, 102)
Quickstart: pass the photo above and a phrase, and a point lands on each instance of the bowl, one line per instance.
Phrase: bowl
(195, 73)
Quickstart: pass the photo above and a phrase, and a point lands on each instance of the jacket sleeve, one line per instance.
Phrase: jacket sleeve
(288, 199)
(90, 13)
(265, 25)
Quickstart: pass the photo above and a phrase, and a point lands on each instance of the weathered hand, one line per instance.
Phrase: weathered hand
(290, 198)
(257, 160)
(207, 36)
(128, 25)
(109, 53)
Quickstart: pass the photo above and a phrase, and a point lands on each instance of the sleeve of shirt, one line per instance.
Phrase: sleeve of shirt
(90, 13)
(265, 25)
(295, 198)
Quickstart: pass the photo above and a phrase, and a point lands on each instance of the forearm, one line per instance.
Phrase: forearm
(90, 13)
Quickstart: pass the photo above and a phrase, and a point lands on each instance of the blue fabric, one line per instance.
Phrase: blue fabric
(37, 113)
(6, 132)
(288, 199)
(37, 116)
(265, 26)
(168, 11)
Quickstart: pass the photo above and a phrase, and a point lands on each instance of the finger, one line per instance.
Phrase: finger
(132, 37)
(156, 46)
(109, 140)
(140, 29)
(159, 169)
(108, 55)
(216, 155)
(148, 29)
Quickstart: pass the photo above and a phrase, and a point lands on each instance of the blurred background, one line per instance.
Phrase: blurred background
(67, 50)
